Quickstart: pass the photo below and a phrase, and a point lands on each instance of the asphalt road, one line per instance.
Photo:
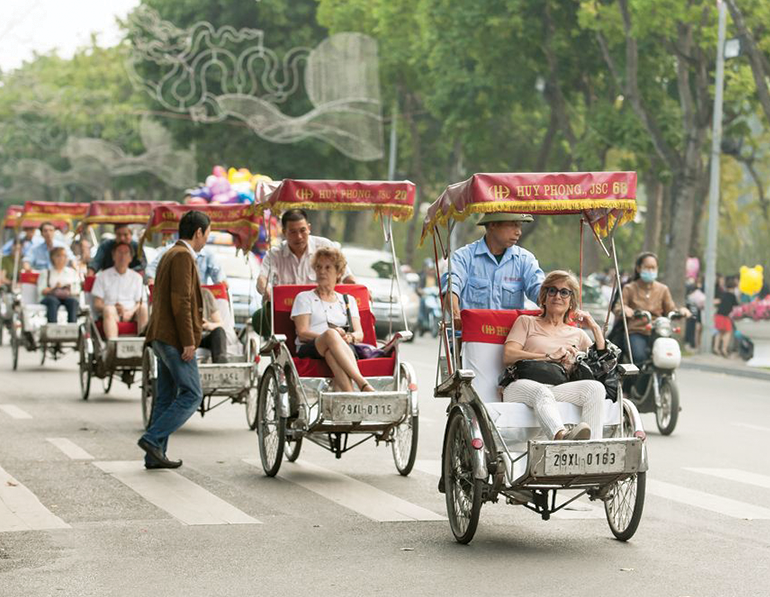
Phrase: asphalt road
(217, 526)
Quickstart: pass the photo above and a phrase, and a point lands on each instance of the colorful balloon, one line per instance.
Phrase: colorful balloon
(751, 280)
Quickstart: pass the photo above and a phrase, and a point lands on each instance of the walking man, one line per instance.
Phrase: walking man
(174, 332)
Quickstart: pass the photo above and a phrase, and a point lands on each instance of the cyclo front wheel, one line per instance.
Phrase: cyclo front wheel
(667, 413)
(85, 365)
(270, 425)
(463, 490)
(149, 386)
(406, 434)
(15, 341)
(624, 503)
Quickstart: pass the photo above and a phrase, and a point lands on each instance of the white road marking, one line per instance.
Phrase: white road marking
(14, 411)
(20, 510)
(352, 494)
(184, 500)
(707, 501)
(750, 426)
(734, 474)
(69, 448)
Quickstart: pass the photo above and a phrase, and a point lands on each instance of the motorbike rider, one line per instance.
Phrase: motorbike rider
(492, 272)
(645, 293)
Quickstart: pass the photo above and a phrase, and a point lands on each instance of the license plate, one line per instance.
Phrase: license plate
(368, 409)
(61, 332)
(215, 378)
(584, 460)
(129, 350)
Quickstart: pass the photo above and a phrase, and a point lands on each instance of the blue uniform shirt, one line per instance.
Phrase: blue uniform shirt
(209, 270)
(39, 255)
(482, 283)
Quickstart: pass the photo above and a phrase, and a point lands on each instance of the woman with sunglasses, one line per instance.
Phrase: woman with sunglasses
(552, 336)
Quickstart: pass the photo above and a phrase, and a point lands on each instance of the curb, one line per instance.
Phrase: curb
(761, 375)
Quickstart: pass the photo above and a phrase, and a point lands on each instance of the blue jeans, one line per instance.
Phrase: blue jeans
(178, 397)
(52, 305)
(640, 348)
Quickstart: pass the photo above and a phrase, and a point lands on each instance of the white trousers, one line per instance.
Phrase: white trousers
(587, 394)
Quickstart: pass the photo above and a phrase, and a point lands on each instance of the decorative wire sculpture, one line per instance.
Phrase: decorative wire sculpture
(87, 174)
(214, 74)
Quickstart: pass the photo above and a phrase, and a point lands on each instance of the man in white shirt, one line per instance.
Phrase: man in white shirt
(289, 262)
(118, 293)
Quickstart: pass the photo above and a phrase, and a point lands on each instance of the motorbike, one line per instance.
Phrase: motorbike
(430, 311)
(655, 389)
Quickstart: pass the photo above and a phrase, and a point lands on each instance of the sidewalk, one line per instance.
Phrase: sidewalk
(716, 364)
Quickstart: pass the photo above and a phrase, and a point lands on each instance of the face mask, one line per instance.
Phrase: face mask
(648, 275)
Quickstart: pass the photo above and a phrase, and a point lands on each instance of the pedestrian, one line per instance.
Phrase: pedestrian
(725, 301)
(174, 331)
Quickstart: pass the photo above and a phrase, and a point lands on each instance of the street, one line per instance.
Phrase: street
(94, 522)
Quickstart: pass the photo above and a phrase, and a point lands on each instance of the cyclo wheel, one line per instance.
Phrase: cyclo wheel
(667, 413)
(270, 425)
(107, 384)
(406, 434)
(463, 491)
(292, 448)
(85, 365)
(149, 386)
(252, 397)
(624, 503)
(43, 350)
(15, 341)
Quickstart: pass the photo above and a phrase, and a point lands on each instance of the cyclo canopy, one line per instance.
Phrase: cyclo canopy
(385, 198)
(603, 198)
(242, 221)
(60, 214)
(120, 212)
(12, 215)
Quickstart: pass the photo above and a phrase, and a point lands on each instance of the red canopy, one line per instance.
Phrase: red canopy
(241, 220)
(60, 214)
(383, 197)
(120, 212)
(602, 197)
(12, 215)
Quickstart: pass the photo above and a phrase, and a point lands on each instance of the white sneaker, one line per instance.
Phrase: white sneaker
(578, 432)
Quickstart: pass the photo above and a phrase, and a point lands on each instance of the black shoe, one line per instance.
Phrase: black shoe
(157, 455)
(171, 464)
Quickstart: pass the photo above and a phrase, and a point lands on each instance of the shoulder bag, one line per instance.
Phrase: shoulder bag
(362, 350)
(545, 372)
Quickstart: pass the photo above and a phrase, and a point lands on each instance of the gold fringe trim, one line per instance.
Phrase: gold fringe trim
(627, 206)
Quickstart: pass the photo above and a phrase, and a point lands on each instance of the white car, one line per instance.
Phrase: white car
(374, 269)
(241, 271)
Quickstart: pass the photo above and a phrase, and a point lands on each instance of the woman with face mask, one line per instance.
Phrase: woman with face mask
(645, 293)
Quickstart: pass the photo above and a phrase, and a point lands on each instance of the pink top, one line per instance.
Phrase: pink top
(529, 331)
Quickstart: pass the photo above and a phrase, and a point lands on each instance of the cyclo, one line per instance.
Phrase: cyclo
(493, 449)
(236, 380)
(9, 233)
(296, 398)
(29, 323)
(101, 357)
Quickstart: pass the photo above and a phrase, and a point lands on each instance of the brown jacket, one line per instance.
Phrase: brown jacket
(177, 305)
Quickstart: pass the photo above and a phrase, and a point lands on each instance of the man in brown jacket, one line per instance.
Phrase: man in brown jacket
(174, 331)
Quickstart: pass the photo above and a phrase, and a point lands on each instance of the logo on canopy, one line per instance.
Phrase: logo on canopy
(500, 191)
(304, 194)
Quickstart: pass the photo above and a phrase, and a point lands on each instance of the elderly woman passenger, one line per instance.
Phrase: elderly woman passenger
(321, 319)
(550, 337)
(59, 286)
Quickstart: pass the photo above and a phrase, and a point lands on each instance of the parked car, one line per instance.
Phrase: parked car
(242, 272)
(374, 269)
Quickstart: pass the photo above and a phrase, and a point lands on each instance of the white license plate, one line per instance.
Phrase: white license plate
(372, 409)
(585, 460)
(61, 332)
(130, 350)
(236, 378)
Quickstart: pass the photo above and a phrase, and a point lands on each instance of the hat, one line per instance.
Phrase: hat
(504, 217)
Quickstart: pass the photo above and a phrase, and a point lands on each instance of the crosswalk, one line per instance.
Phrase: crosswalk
(191, 504)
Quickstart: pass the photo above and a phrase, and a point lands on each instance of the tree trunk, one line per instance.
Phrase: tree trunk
(415, 224)
(654, 214)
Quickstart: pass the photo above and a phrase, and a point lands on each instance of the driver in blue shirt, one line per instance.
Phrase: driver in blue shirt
(492, 272)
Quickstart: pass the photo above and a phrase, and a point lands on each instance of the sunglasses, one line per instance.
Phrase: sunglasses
(562, 292)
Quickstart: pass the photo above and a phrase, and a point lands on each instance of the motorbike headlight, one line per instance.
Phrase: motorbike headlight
(662, 327)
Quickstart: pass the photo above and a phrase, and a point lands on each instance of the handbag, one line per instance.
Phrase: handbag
(545, 372)
(599, 365)
(60, 292)
(362, 350)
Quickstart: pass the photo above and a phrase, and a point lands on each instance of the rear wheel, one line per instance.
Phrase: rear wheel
(44, 351)
(292, 448)
(15, 331)
(149, 386)
(667, 413)
(251, 408)
(270, 425)
(463, 490)
(85, 365)
(107, 384)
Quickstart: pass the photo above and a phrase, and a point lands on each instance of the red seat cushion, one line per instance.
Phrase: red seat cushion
(490, 326)
(125, 328)
(28, 277)
(88, 283)
(283, 301)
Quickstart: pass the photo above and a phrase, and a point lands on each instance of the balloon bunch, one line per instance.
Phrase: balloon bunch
(227, 186)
